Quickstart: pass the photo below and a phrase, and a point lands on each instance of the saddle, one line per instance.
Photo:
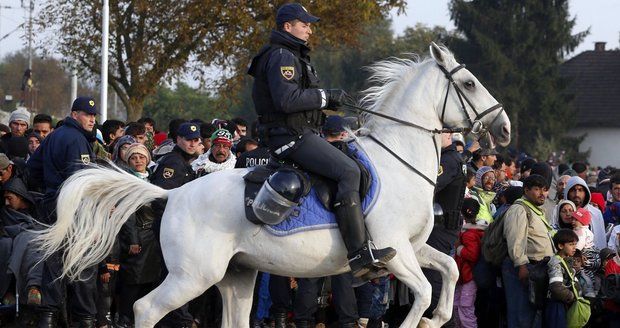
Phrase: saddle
(324, 188)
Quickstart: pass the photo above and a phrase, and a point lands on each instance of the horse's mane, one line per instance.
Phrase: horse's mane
(387, 77)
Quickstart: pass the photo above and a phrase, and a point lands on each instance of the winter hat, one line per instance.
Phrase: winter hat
(480, 173)
(35, 135)
(470, 208)
(119, 143)
(4, 161)
(222, 136)
(159, 138)
(598, 199)
(582, 215)
(20, 114)
(137, 148)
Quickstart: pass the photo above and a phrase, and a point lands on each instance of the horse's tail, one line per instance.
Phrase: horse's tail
(92, 206)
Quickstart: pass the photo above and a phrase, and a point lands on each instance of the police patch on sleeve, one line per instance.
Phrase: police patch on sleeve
(440, 172)
(288, 72)
(85, 158)
(168, 173)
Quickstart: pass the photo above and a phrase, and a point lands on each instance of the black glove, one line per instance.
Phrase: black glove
(336, 97)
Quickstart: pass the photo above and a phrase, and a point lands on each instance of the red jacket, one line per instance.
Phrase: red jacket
(468, 252)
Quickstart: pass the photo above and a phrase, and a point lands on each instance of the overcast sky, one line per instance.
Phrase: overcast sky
(600, 15)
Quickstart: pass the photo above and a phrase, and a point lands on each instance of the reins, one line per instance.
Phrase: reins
(476, 126)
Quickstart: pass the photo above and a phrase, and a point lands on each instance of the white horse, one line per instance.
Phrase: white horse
(206, 240)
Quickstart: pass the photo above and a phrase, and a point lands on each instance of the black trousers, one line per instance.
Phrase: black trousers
(441, 239)
(345, 303)
(318, 156)
(128, 295)
(280, 291)
(81, 294)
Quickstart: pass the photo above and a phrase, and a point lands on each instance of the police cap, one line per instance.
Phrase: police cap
(85, 104)
(189, 131)
(334, 124)
(292, 11)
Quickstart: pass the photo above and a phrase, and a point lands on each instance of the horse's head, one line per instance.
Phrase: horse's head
(467, 100)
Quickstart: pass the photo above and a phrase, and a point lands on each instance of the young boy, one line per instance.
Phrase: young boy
(561, 294)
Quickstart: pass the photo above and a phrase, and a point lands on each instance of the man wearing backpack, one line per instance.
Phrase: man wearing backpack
(528, 240)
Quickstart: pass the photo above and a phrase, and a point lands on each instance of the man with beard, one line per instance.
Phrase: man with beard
(577, 191)
(528, 239)
(218, 157)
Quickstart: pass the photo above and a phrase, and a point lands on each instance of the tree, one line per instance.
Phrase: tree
(181, 102)
(515, 48)
(154, 40)
(51, 83)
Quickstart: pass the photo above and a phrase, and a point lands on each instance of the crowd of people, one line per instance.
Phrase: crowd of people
(558, 217)
(535, 242)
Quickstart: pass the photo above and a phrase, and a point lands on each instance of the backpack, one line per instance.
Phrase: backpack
(494, 246)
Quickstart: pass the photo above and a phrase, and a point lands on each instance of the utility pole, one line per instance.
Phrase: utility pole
(105, 26)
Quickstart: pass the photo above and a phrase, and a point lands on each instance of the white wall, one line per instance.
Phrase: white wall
(604, 145)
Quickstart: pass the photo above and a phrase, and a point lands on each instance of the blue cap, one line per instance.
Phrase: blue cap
(334, 124)
(85, 104)
(293, 11)
(189, 131)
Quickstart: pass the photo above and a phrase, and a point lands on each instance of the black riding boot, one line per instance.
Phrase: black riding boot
(280, 319)
(304, 324)
(350, 218)
(47, 320)
(83, 322)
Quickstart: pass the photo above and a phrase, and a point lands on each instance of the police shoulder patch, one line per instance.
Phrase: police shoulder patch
(440, 172)
(288, 72)
(168, 173)
(85, 158)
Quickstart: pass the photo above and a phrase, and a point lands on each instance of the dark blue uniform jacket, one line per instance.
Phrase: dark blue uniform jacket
(285, 91)
(63, 152)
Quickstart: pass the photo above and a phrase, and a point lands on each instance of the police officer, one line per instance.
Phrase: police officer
(174, 170)
(289, 105)
(61, 154)
(449, 193)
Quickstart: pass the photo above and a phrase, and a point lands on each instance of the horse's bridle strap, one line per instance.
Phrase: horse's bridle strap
(402, 160)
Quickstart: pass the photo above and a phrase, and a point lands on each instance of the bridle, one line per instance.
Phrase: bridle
(476, 126)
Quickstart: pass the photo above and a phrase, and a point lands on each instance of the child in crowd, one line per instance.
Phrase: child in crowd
(467, 254)
(582, 220)
(561, 279)
(585, 281)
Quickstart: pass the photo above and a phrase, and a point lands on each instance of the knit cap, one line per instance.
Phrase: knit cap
(222, 136)
(20, 114)
(137, 148)
(480, 173)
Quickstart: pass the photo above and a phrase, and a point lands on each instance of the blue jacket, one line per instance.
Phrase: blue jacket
(61, 153)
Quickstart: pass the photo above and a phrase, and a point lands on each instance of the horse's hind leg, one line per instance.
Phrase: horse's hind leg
(433, 259)
(237, 289)
(406, 268)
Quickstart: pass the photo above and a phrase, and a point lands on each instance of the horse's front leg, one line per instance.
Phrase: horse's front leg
(433, 259)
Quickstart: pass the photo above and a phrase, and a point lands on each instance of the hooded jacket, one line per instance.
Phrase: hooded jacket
(597, 225)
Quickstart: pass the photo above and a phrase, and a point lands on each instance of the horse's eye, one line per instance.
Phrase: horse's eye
(470, 85)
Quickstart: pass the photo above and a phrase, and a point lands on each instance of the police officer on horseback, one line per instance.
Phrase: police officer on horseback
(289, 105)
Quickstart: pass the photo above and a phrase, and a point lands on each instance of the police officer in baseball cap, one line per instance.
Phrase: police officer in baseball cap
(289, 104)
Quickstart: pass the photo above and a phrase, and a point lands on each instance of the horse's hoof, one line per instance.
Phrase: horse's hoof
(425, 323)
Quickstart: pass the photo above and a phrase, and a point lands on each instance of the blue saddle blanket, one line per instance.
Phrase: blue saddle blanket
(312, 215)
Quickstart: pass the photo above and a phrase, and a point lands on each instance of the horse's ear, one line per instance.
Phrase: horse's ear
(437, 54)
